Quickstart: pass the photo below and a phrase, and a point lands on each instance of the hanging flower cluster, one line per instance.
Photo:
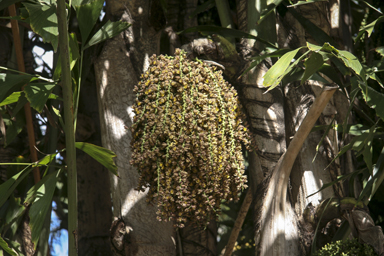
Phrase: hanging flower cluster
(186, 139)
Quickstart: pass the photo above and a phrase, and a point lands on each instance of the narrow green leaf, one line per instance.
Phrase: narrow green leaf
(375, 181)
(6, 248)
(47, 159)
(100, 154)
(37, 94)
(87, 13)
(43, 246)
(15, 210)
(14, 127)
(375, 77)
(323, 137)
(74, 55)
(42, 194)
(20, 104)
(380, 50)
(367, 154)
(202, 8)
(266, 12)
(371, 6)
(43, 21)
(225, 32)
(339, 179)
(306, 2)
(374, 99)
(369, 28)
(312, 65)
(356, 143)
(14, 97)
(109, 30)
(9, 83)
(7, 187)
(259, 59)
(275, 73)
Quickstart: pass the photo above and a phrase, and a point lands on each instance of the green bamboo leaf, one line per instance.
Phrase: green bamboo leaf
(375, 77)
(47, 159)
(275, 73)
(375, 181)
(37, 94)
(257, 60)
(374, 99)
(380, 50)
(14, 97)
(367, 152)
(14, 211)
(371, 6)
(6, 248)
(109, 30)
(323, 137)
(339, 179)
(74, 55)
(356, 143)
(306, 2)
(202, 8)
(369, 28)
(266, 12)
(20, 104)
(8, 83)
(87, 13)
(352, 62)
(312, 65)
(43, 21)
(41, 194)
(6, 189)
(14, 127)
(100, 154)
(225, 32)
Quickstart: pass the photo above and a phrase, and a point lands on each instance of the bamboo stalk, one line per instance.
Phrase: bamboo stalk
(225, 16)
(27, 107)
(69, 127)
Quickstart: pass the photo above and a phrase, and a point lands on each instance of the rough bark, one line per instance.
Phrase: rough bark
(275, 118)
(118, 68)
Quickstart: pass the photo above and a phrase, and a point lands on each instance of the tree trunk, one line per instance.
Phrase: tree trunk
(275, 118)
(118, 69)
(94, 198)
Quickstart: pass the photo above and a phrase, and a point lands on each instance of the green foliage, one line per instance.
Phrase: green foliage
(346, 247)
(37, 90)
(43, 20)
(186, 139)
(100, 154)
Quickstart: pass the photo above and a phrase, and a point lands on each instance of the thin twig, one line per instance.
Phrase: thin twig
(27, 107)
(238, 223)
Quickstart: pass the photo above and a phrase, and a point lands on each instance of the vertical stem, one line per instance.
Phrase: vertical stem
(27, 107)
(265, 30)
(225, 16)
(69, 127)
